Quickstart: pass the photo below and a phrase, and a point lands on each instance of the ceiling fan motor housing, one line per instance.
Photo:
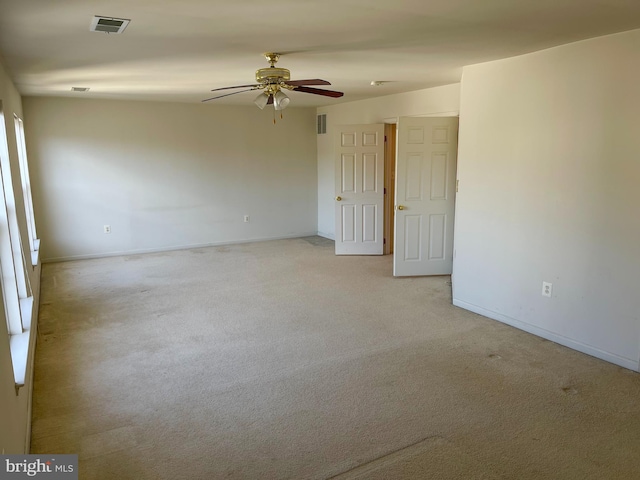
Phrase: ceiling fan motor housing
(272, 75)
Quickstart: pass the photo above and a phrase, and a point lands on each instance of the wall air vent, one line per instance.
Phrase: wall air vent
(322, 123)
(79, 89)
(108, 24)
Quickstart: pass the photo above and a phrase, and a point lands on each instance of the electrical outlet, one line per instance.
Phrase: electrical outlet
(246, 219)
(107, 229)
(547, 288)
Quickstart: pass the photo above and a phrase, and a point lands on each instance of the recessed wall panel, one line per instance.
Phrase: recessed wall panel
(437, 233)
(348, 223)
(369, 172)
(439, 176)
(412, 237)
(413, 190)
(369, 215)
(348, 176)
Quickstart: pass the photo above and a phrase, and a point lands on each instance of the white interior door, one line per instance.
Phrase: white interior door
(425, 195)
(359, 198)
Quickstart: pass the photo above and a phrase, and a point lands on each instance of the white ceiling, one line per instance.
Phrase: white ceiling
(178, 50)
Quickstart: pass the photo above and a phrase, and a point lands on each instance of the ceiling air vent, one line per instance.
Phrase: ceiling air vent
(79, 89)
(108, 24)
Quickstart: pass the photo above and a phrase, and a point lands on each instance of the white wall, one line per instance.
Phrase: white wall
(166, 175)
(549, 165)
(432, 101)
(15, 407)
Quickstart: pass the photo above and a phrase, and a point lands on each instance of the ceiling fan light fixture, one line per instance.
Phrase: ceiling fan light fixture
(261, 100)
(280, 100)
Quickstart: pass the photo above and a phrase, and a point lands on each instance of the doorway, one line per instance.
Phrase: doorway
(390, 132)
(395, 192)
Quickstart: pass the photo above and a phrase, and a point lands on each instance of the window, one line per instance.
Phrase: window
(16, 289)
(34, 242)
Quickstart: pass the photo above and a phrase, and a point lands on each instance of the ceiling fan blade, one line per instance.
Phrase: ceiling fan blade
(317, 91)
(237, 86)
(226, 95)
(270, 101)
(314, 81)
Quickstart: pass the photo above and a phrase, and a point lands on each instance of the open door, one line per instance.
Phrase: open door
(425, 195)
(359, 190)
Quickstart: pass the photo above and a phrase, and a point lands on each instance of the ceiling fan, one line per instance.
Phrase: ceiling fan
(272, 80)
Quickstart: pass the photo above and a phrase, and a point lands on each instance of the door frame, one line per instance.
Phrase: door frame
(390, 132)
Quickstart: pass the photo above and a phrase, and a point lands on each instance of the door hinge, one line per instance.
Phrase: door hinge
(385, 138)
(385, 191)
(384, 241)
(457, 185)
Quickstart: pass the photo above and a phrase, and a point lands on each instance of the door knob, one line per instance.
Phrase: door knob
(400, 207)
(338, 199)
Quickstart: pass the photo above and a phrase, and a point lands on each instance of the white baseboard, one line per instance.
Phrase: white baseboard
(330, 236)
(554, 337)
(173, 247)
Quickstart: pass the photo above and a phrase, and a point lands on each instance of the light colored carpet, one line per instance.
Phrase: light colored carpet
(279, 360)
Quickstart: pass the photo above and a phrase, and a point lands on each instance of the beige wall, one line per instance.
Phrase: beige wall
(549, 164)
(166, 175)
(15, 406)
(432, 101)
